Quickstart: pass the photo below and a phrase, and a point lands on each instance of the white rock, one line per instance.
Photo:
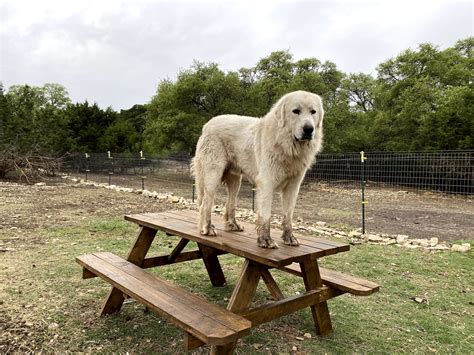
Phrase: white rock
(174, 199)
(439, 247)
(307, 335)
(374, 238)
(354, 233)
(420, 242)
(434, 241)
(463, 248)
(401, 238)
(320, 224)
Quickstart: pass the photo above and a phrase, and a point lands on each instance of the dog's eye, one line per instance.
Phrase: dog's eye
(296, 111)
(313, 112)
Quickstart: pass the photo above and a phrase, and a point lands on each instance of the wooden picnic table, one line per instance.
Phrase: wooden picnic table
(203, 321)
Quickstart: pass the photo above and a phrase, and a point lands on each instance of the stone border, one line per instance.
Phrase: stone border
(354, 237)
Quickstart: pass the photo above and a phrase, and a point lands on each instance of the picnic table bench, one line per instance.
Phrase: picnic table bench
(202, 321)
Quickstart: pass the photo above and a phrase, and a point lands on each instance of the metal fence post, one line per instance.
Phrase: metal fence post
(110, 172)
(362, 185)
(87, 165)
(142, 159)
(253, 199)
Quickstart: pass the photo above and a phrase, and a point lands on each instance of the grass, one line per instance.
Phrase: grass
(46, 306)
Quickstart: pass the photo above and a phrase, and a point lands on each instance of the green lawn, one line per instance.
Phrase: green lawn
(46, 306)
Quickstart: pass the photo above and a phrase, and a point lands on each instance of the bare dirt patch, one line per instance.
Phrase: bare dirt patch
(421, 214)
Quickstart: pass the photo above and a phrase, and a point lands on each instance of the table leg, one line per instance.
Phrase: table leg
(136, 256)
(213, 267)
(245, 288)
(320, 311)
(241, 298)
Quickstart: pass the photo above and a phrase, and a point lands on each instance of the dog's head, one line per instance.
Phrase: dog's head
(301, 113)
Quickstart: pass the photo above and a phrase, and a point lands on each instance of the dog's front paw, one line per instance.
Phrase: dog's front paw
(209, 230)
(289, 239)
(266, 242)
(233, 226)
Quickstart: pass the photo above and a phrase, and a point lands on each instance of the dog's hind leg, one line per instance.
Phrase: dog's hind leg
(211, 179)
(232, 182)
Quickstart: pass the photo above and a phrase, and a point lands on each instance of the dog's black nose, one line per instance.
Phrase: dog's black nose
(308, 130)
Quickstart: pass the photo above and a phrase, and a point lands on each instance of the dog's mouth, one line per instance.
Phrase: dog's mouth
(303, 138)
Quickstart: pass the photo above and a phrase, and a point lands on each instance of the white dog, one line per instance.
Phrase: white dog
(273, 153)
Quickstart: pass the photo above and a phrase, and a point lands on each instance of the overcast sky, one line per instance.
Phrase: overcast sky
(115, 52)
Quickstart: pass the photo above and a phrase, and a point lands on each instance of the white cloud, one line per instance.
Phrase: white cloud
(115, 52)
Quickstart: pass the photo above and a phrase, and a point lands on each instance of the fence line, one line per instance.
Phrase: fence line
(442, 171)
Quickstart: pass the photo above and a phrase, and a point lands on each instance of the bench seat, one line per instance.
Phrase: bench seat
(198, 317)
(340, 281)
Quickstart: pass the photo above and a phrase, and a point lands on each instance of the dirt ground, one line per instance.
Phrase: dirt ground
(421, 215)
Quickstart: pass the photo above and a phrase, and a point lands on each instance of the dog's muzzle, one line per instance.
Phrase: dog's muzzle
(307, 133)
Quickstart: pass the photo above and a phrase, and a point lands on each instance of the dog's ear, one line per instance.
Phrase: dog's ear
(279, 110)
(320, 112)
(321, 116)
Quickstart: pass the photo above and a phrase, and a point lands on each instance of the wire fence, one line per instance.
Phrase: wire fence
(366, 191)
(440, 171)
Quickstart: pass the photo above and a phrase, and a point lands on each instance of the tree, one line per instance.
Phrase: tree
(413, 92)
(86, 125)
(178, 111)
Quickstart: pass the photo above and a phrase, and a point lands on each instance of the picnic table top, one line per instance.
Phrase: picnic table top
(182, 223)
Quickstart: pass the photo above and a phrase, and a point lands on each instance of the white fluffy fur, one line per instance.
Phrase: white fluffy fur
(269, 151)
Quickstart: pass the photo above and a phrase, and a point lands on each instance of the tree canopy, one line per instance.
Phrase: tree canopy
(421, 99)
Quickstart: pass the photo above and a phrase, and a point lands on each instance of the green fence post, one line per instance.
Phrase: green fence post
(362, 185)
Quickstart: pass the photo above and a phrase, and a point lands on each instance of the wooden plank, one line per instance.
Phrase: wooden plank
(191, 342)
(213, 267)
(338, 280)
(271, 284)
(227, 349)
(245, 288)
(330, 246)
(136, 255)
(247, 238)
(237, 241)
(304, 247)
(204, 320)
(86, 274)
(348, 283)
(312, 281)
(142, 244)
(151, 298)
(178, 249)
(164, 259)
(286, 306)
(181, 295)
(234, 242)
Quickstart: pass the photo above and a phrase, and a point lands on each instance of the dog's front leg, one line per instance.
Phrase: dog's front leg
(264, 210)
(288, 201)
